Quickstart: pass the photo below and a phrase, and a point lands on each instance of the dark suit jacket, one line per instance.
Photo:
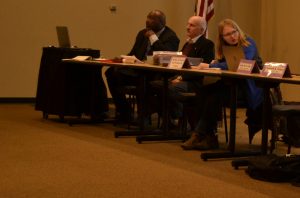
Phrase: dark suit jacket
(168, 41)
(202, 48)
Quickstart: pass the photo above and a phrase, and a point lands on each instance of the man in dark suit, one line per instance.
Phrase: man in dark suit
(155, 37)
(207, 103)
(197, 46)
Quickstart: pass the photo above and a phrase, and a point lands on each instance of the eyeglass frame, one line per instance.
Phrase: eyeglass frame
(234, 32)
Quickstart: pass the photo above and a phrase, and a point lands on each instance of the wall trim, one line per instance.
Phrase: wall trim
(17, 100)
(29, 100)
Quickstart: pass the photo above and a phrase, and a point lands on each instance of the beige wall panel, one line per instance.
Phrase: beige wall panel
(245, 12)
(280, 38)
(27, 26)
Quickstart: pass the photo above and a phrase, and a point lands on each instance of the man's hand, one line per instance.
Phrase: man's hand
(178, 79)
(149, 33)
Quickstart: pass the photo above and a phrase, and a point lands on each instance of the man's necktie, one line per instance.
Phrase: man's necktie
(187, 48)
(148, 49)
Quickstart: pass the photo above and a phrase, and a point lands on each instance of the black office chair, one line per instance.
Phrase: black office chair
(286, 122)
(130, 93)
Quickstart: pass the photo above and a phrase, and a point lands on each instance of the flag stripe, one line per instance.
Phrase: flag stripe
(205, 8)
(202, 8)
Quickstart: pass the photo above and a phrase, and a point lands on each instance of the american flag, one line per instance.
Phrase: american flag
(204, 8)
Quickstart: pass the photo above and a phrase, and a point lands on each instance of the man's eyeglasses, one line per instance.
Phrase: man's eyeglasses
(230, 33)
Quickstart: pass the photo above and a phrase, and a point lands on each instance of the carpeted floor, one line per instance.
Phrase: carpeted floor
(47, 158)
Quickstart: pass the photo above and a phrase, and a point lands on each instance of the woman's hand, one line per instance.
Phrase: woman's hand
(214, 61)
(201, 66)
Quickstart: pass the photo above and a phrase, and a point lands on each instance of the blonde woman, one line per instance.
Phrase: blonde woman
(204, 137)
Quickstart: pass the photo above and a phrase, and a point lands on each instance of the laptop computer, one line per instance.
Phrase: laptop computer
(192, 61)
(233, 56)
(63, 36)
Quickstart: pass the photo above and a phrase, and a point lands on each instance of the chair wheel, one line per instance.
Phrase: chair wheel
(61, 118)
(203, 157)
(237, 163)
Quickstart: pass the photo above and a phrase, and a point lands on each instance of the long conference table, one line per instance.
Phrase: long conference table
(233, 77)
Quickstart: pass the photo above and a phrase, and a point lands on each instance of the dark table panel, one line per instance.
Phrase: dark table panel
(68, 89)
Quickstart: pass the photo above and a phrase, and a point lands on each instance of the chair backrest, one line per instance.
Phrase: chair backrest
(285, 119)
(276, 96)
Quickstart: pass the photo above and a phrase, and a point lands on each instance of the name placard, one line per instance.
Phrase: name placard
(82, 58)
(247, 67)
(276, 70)
(177, 62)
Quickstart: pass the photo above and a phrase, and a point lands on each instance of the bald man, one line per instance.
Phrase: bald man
(202, 47)
(197, 46)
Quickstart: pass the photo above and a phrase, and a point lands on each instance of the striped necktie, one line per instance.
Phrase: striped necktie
(187, 48)
(148, 49)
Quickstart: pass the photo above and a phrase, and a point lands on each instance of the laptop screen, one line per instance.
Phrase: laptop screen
(233, 56)
(63, 36)
(194, 61)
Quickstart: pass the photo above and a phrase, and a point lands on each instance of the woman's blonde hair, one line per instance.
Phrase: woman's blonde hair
(220, 41)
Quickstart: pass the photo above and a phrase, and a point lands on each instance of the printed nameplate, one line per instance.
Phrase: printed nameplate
(177, 62)
(247, 67)
(82, 58)
(276, 70)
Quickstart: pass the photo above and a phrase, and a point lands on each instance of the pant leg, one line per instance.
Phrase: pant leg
(116, 79)
(210, 106)
(174, 89)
